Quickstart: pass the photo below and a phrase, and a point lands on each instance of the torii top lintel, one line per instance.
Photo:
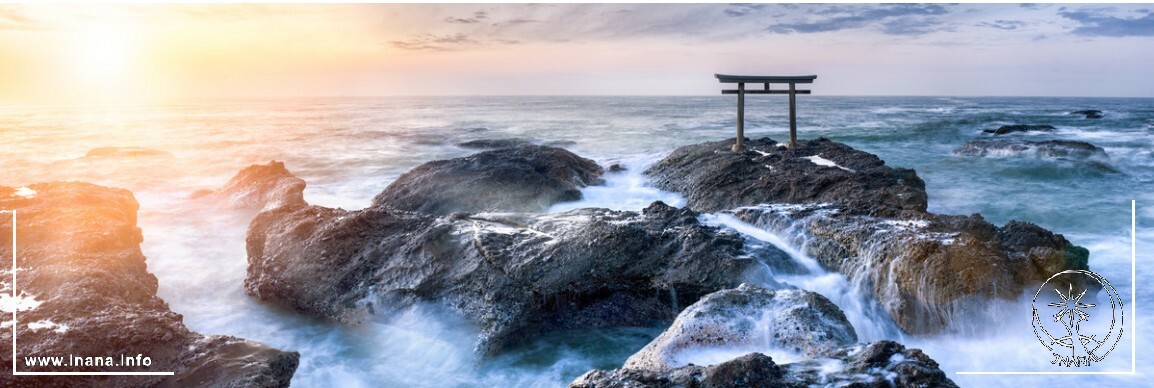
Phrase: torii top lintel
(760, 79)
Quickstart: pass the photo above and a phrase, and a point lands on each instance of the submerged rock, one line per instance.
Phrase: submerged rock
(85, 291)
(1006, 129)
(928, 273)
(1067, 149)
(749, 317)
(514, 275)
(714, 178)
(259, 186)
(494, 143)
(528, 178)
(1089, 113)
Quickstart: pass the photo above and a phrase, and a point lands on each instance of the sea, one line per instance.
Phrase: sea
(349, 149)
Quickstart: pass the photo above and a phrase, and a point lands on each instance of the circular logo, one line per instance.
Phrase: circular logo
(1075, 327)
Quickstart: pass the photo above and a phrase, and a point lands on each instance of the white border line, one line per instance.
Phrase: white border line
(14, 325)
(1133, 311)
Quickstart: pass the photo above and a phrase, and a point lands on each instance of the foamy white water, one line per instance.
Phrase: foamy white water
(349, 149)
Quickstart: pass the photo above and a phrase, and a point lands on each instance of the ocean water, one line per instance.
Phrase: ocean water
(349, 149)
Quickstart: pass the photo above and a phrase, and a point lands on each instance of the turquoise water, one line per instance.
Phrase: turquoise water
(350, 149)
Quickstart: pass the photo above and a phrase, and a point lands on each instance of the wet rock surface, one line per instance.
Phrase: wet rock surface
(527, 178)
(713, 178)
(512, 274)
(838, 362)
(494, 143)
(927, 272)
(258, 186)
(85, 291)
(1016, 128)
(749, 317)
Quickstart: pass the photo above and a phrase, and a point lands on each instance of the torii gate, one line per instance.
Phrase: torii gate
(741, 80)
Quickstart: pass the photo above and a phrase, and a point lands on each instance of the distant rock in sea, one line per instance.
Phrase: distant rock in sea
(1068, 149)
(489, 144)
(1007, 129)
(85, 291)
(527, 178)
(1089, 113)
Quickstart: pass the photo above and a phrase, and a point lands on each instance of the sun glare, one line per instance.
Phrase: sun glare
(104, 58)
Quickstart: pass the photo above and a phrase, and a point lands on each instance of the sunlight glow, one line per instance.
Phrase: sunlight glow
(104, 57)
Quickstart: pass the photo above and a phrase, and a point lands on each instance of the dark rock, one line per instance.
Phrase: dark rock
(489, 144)
(523, 179)
(125, 152)
(1066, 149)
(1005, 129)
(475, 129)
(714, 178)
(259, 186)
(928, 272)
(880, 364)
(616, 167)
(84, 282)
(514, 275)
(1089, 113)
(798, 320)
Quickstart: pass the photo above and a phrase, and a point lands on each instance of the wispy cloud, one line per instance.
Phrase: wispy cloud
(1006, 25)
(1097, 23)
(739, 10)
(429, 42)
(896, 19)
(477, 17)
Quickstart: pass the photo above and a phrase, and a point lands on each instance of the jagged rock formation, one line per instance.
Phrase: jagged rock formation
(84, 290)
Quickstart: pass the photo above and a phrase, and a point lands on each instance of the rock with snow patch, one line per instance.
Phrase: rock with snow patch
(714, 178)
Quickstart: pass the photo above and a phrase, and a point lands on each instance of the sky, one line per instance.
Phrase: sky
(160, 52)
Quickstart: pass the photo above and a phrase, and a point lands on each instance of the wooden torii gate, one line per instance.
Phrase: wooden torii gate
(741, 80)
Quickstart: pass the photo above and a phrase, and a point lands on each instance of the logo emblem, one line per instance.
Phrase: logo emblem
(1077, 329)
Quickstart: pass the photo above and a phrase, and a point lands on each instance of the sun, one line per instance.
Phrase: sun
(104, 56)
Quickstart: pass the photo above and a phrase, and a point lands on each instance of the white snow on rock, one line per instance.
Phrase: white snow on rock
(820, 161)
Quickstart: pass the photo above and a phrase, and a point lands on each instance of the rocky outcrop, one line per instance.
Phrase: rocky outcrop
(1058, 149)
(84, 290)
(1089, 113)
(1007, 129)
(880, 364)
(512, 274)
(528, 178)
(749, 317)
(726, 321)
(868, 221)
(259, 186)
(927, 272)
(713, 178)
